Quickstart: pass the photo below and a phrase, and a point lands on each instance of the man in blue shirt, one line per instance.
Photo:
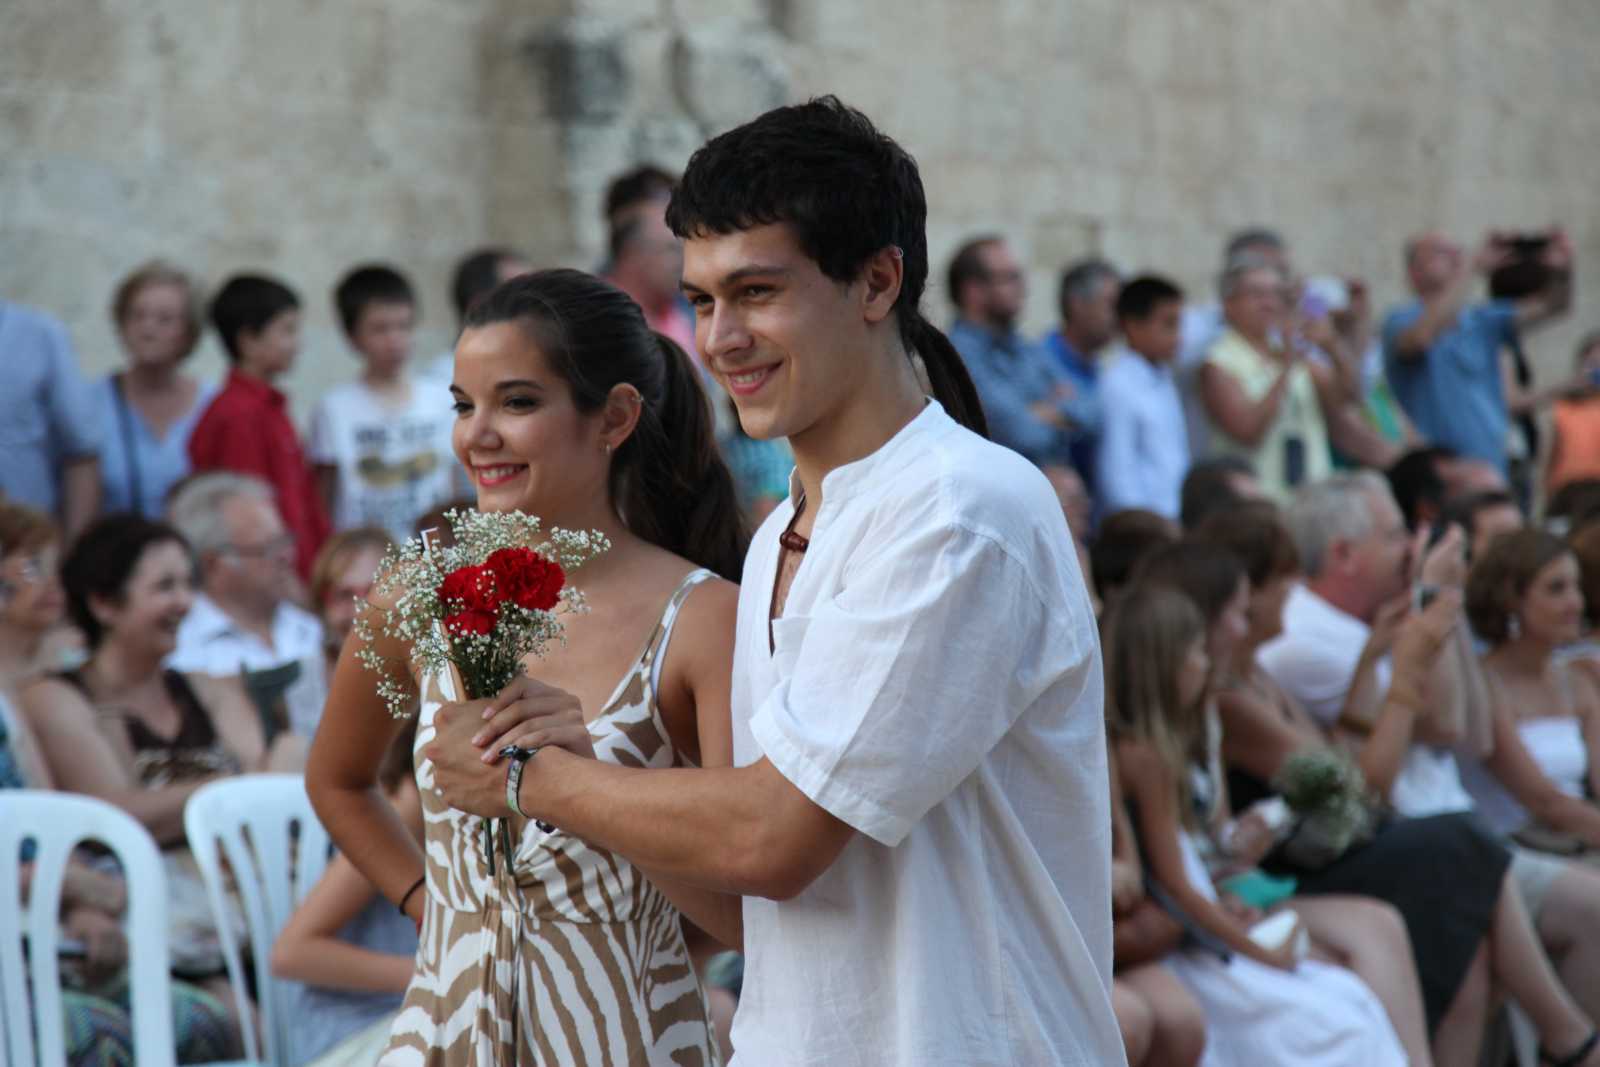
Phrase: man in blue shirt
(1442, 354)
(1030, 405)
(1088, 299)
(48, 430)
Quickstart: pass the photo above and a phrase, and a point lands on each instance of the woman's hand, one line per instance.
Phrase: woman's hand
(533, 715)
(105, 946)
(463, 777)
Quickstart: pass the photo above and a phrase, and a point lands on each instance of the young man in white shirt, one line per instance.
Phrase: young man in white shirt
(918, 813)
(1357, 552)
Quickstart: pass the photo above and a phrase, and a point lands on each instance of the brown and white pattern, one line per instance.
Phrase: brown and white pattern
(566, 955)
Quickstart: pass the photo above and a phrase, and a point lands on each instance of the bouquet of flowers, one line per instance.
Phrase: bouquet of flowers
(478, 606)
(1326, 792)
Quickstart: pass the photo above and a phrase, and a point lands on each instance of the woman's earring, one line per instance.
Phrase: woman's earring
(606, 448)
(1514, 627)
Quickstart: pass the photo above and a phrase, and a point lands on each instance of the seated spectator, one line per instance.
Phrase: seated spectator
(1218, 484)
(1124, 540)
(150, 409)
(1525, 598)
(380, 445)
(1575, 449)
(242, 620)
(346, 949)
(247, 428)
(1265, 401)
(1333, 659)
(1573, 506)
(1143, 454)
(1484, 517)
(1078, 509)
(53, 440)
(341, 578)
(1427, 481)
(1585, 544)
(1262, 1005)
(1442, 352)
(1030, 406)
(136, 734)
(1087, 303)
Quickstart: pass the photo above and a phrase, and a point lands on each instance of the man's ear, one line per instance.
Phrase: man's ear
(620, 415)
(882, 276)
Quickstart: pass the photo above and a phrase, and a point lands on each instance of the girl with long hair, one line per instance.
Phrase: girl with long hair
(571, 409)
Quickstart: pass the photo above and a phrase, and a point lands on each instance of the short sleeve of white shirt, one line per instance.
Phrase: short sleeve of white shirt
(894, 696)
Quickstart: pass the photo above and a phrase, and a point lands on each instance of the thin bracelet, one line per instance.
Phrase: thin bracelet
(414, 887)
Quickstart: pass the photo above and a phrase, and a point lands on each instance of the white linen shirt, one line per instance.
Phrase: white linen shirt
(209, 642)
(1143, 453)
(1315, 660)
(935, 683)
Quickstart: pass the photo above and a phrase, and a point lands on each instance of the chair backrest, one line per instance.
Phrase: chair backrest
(263, 827)
(58, 823)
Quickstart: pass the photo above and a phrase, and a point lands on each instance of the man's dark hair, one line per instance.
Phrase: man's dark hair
(1140, 297)
(848, 192)
(1251, 237)
(248, 302)
(1576, 504)
(1079, 279)
(1465, 511)
(1416, 481)
(1207, 488)
(637, 186)
(476, 277)
(373, 283)
(966, 266)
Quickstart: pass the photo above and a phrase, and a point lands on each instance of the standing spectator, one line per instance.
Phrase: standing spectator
(150, 409)
(48, 431)
(1443, 353)
(1265, 401)
(644, 187)
(1144, 452)
(242, 620)
(381, 444)
(247, 428)
(1031, 408)
(477, 275)
(1087, 303)
(647, 264)
(1575, 452)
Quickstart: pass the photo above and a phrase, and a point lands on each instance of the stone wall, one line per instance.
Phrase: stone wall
(302, 136)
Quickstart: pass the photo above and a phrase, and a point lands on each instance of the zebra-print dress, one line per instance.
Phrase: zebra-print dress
(567, 955)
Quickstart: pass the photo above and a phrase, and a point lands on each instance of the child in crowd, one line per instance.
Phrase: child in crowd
(1264, 1003)
(346, 949)
(1144, 449)
(381, 444)
(1575, 452)
(247, 428)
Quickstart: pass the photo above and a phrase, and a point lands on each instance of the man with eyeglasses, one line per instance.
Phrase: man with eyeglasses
(243, 622)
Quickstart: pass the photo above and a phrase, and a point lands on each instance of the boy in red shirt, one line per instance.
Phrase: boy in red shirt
(247, 427)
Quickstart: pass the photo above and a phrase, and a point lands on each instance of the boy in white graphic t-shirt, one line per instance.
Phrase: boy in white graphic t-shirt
(380, 445)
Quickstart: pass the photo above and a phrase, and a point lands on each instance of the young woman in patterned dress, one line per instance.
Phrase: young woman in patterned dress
(569, 408)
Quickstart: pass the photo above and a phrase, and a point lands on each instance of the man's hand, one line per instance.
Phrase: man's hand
(105, 946)
(1492, 254)
(1417, 647)
(1558, 254)
(461, 776)
(1445, 564)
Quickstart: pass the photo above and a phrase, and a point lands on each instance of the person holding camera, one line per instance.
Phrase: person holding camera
(1442, 351)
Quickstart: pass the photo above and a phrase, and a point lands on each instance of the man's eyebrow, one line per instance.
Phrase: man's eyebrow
(734, 277)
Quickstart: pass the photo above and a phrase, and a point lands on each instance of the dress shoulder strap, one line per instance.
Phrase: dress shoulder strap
(669, 615)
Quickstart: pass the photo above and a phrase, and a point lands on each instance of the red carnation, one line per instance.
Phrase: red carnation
(526, 578)
(474, 595)
(471, 621)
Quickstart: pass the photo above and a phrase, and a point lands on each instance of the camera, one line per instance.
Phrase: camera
(1524, 273)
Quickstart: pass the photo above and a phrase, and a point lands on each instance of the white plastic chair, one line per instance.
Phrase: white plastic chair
(58, 823)
(277, 850)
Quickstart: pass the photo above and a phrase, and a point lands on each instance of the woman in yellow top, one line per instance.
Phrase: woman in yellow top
(1264, 401)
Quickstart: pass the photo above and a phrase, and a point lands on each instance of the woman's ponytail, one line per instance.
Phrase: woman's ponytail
(947, 375)
(669, 480)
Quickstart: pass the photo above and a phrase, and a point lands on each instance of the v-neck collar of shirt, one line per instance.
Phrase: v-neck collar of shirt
(843, 482)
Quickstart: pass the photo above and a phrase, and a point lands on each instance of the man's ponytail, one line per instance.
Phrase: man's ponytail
(669, 480)
(947, 374)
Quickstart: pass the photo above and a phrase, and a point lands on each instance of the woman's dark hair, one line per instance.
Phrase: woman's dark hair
(1502, 577)
(102, 560)
(1125, 538)
(848, 191)
(668, 479)
(1207, 574)
(1208, 488)
(1256, 536)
